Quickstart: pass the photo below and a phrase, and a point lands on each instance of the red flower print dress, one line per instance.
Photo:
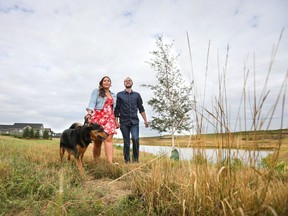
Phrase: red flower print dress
(105, 117)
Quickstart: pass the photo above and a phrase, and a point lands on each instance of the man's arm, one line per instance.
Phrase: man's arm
(143, 114)
(117, 111)
(142, 110)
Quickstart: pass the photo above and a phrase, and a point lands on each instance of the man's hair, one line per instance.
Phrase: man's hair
(128, 78)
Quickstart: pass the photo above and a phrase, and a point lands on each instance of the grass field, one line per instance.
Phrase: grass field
(34, 182)
(265, 140)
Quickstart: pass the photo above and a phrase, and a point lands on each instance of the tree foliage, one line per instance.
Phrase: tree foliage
(31, 133)
(172, 97)
(46, 134)
(26, 133)
(37, 134)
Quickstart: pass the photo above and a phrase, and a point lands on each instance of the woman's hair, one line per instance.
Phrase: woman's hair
(101, 89)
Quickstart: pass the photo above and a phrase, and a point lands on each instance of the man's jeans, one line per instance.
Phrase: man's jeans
(134, 130)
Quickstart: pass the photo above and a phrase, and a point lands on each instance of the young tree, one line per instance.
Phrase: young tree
(26, 133)
(46, 134)
(31, 133)
(37, 134)
(172, 100)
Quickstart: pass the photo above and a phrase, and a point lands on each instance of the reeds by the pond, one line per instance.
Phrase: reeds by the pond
(228, 187)
(185, 188)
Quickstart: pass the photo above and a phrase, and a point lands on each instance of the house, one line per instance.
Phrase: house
(18, 128)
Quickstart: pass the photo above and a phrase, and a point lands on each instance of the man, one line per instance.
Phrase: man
(128, 102)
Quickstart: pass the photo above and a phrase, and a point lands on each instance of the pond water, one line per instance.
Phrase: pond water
(212, 155)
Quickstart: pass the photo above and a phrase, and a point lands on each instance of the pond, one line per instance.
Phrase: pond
(212, 155)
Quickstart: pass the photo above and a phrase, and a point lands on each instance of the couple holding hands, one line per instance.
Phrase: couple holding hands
(113, 111)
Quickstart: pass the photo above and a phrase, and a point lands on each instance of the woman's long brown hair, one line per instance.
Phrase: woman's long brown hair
(101, 89)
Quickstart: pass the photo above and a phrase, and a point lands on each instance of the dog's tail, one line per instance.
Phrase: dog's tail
(75, 125)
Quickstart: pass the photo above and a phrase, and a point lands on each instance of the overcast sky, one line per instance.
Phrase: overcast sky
(54, 53)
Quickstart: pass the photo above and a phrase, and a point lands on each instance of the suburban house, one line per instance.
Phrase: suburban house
(18, 128)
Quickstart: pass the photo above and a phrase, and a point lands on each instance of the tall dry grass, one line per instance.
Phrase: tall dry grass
(185, 188)
(33, 181)
(228, 187)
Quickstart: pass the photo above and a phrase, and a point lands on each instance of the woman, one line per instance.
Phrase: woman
(101, 111)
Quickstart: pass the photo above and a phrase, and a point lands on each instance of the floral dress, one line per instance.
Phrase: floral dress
(105, 117)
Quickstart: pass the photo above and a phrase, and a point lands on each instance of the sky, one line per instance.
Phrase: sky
(54, 53)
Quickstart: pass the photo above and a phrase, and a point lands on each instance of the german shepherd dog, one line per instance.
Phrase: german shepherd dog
(77, 138)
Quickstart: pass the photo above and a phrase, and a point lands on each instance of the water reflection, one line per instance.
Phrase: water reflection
(212, 155)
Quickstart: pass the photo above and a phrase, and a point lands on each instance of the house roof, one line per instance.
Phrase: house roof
(22, 125)
(33, 125)
(2, 127)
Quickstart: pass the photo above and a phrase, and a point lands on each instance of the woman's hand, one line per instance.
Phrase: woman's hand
(88, 117)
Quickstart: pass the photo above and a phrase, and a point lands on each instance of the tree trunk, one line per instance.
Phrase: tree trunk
(173, 142)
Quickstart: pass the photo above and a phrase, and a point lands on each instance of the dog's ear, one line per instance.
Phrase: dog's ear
(84, 127)
(87, 127)
(75, 125)
(95, 126)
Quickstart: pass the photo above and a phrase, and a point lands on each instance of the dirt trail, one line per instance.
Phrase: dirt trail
(108, 193)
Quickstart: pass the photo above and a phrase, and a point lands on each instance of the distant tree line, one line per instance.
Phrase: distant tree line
(30, 133)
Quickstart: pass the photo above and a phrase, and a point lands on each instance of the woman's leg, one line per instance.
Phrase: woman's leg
(108, 144)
